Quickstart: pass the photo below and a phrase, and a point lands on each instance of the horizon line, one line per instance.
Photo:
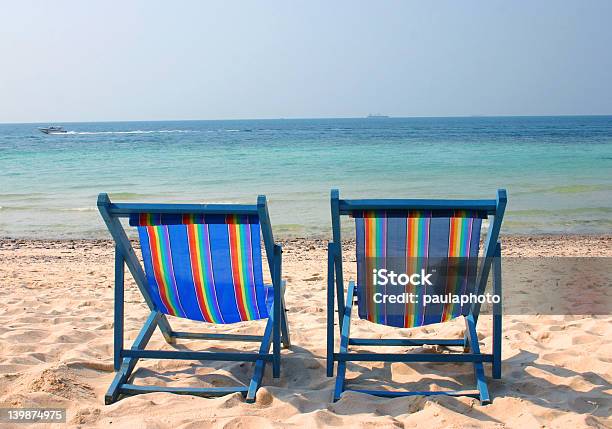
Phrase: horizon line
(313, 118)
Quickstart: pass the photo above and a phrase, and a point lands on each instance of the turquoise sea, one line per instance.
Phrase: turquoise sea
(557, 170)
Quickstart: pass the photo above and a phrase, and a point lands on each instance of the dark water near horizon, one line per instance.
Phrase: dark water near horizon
(557, 170)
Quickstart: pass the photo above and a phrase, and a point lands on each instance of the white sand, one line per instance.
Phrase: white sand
(56, 312)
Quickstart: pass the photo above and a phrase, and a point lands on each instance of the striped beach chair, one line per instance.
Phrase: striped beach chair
(203, 263)
(435, 239)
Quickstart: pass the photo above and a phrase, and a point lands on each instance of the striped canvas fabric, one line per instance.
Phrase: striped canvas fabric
(206, 268)
(445, 243)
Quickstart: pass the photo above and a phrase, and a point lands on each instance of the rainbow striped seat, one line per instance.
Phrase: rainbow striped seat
(201, 262)
(418, 263)
(409, 242)
(204, 267)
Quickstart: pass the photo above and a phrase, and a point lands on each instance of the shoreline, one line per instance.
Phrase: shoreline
(521, 245)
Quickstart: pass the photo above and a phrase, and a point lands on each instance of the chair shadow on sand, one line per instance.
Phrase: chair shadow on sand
(239, 371)
(517, 382)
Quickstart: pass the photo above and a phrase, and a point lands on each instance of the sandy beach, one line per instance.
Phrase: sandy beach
(56, 311)
(426, 132)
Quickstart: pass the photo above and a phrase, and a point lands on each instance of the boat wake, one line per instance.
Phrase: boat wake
(130, 132)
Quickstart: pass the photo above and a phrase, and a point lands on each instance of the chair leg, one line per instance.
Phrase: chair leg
(340, 377)
(496, 368)
(260, 365)
(466, 342)
(112, 394)
(285, 338)
(119, 309)
(497, 315)
(276, 315)
(276, 350)
(271, 335)
(166, 330)
(479, 375)
(330, 309)
(344, 342)
(128, 364)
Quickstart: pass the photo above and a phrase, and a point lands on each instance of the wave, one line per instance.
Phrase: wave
(39, 209)
(560, 211)
(80, 209)
(574, 189)
(567, 189)
(129, 195)
(35, 196)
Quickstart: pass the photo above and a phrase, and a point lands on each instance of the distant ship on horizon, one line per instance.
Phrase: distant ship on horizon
(376, 116)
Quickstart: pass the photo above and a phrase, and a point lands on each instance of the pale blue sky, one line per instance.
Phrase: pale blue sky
(147, 60)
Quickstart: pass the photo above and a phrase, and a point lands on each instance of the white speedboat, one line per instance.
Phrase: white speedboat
(53, 130)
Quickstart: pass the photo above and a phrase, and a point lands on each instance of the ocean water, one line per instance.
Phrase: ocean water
(557, 170)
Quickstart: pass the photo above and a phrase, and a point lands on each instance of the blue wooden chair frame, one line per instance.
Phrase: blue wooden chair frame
(335, 293)
(125, 359)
